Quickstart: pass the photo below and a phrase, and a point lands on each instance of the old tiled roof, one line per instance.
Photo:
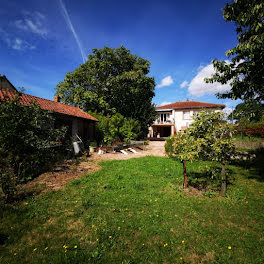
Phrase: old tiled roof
(190, 105)
(46, 104)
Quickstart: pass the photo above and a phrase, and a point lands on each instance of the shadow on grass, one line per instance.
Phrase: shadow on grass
(209, 180)
(255, 167)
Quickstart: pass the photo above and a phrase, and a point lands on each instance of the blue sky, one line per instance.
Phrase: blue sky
(40, 41)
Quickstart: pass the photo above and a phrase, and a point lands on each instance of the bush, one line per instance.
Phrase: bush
(27, 140)
(115, 128)
(251, 129)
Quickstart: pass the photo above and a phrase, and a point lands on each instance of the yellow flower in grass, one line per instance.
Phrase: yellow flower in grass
(165, 245)
(34, 249)
(15, 254)
(229, 247)
(182, 241)
(65, 246)
(180, 258)
(110, 237)
(119, 228)
(75, 246)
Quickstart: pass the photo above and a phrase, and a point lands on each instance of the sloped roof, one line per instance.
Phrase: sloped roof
(46, 104)
(190, 105)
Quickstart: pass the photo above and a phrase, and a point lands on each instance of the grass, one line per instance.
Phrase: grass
(134, 211)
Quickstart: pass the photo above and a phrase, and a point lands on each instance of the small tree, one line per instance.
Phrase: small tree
(215, 136)
(208, 138)
(185, 148)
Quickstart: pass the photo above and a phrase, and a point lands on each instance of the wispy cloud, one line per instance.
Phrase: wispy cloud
(198, 87)
(165, 103)
(184, 84)
(15, 42)
(70, 25)
(33, 22)
(167, 81)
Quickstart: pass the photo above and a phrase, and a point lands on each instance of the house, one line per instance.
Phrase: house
(78, 122)
(177, 116)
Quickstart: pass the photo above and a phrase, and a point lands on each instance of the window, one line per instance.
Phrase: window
(186, 115)
(164, 117)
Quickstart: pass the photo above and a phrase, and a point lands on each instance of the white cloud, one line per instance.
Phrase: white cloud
(184, 84)
(165, 103)
(15, 42)
(167, 81)
(33, 22)
(227, 111)
(198, 87)
(19, 44)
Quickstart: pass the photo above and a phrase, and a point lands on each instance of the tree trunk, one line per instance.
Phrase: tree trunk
(223, 179)
(184, 174)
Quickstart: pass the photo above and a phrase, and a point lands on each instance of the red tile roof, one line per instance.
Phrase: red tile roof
(190, 105)
(46, 104)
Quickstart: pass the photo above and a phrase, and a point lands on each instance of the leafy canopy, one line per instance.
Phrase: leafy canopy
(245, 72)
(248, 112)
(112, 81)
(208, 138)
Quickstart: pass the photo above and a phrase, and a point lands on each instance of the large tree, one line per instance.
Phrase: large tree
(248, 112)
(112, 81)
(245, 72)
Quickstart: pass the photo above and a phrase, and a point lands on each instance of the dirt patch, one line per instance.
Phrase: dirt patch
(61, 175)
(155, 148)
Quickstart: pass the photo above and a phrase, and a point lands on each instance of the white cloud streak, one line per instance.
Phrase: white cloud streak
(69, 23)
(167, 81)
(198, 87)
(184, 84)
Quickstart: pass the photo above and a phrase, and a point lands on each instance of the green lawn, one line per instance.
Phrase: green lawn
(134, 211)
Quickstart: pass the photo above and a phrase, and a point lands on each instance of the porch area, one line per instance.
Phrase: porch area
(161, 130)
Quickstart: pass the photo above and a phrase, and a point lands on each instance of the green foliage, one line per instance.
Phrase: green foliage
(245, 72)
(112, 81)
(115, 128)
(183, 146)
(26, 139)
(208, 138)
(214, 135)
(248, 112)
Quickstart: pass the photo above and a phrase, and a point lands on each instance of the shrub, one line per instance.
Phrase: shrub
(27, 138)
(114, 128)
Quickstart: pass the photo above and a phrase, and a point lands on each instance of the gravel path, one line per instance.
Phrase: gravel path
(155, 148)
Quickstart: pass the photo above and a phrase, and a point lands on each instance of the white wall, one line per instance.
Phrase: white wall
(177, 118)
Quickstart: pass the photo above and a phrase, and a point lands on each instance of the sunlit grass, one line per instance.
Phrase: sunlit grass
(135, 211)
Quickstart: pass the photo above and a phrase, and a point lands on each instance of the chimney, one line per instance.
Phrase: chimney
(56, 99)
